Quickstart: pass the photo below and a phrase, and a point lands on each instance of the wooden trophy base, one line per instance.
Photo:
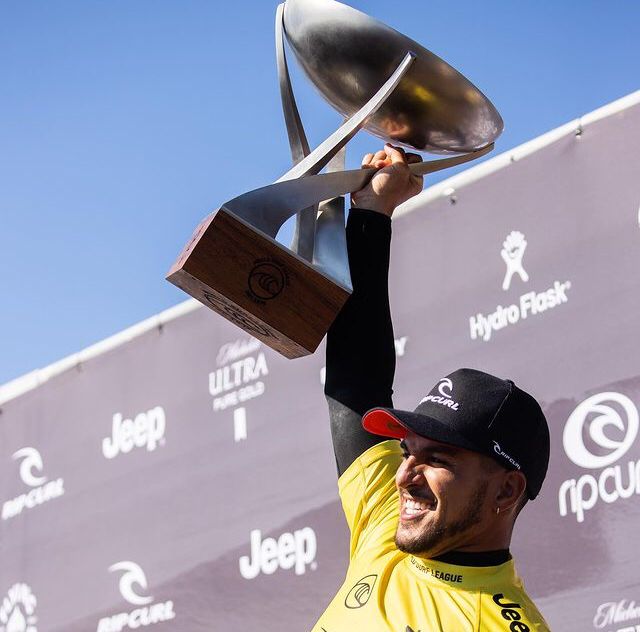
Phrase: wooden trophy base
(257, 284)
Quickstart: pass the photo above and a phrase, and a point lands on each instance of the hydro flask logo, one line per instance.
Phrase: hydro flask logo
(17, 610)
(512, 252)
(483, 326)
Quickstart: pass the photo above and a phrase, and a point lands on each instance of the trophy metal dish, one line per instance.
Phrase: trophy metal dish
(379, 80)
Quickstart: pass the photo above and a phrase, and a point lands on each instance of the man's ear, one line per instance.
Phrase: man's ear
(511, 490)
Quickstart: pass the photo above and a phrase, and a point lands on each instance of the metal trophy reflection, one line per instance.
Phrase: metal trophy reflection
(379, 80)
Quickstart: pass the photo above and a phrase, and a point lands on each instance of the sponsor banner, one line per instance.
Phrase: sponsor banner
(185, 480)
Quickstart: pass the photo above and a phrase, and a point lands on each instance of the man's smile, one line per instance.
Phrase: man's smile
(412, 508)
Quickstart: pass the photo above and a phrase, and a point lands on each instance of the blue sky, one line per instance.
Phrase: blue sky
(123, 123)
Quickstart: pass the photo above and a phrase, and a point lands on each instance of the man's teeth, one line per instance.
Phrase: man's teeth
(413, 506)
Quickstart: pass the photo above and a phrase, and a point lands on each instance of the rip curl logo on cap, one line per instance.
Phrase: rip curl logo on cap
(445, 388)
(611, 433)
(512, 252)
(498, 450)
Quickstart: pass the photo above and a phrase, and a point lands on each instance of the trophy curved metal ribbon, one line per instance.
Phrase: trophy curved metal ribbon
(380, 81)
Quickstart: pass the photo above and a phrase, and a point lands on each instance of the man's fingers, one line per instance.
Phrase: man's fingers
(375, 161)
(395, 154)
(366, 161)
(380, 155)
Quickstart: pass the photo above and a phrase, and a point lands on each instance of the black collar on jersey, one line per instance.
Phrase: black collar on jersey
(482, 558)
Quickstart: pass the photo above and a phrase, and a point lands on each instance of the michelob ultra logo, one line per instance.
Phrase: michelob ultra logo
(617, 613)
(238, 377)
(134, 588)
(42, 489)
(597, 434)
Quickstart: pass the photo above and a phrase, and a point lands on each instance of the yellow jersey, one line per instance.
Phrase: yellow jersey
(387, 590)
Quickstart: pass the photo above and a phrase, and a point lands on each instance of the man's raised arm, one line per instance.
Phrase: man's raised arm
(360, 347)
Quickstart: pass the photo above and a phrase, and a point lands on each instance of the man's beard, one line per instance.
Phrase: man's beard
(433, 535)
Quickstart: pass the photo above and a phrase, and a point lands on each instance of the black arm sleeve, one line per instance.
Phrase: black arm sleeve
(360, 348)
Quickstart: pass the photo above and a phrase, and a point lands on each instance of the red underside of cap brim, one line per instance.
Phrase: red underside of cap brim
(382, 422)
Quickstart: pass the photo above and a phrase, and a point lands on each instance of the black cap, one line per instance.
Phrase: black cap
(480, 412)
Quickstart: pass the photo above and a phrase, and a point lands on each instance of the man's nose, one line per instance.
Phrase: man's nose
(409, 473)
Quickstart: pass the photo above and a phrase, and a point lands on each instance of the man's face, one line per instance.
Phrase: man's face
(446, 497)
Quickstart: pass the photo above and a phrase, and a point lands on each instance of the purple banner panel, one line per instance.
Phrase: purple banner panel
(184, 479)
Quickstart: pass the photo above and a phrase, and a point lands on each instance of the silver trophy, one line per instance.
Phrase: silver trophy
(380, 81)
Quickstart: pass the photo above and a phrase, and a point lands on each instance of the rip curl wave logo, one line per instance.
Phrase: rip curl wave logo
(512, 253)
(267, 280)
(445, 387)
(132, 582)
(359, 595)
(132, 575)
(42, 490)
(610, 432)
(597, 434)
(17, 610)
(31, 460)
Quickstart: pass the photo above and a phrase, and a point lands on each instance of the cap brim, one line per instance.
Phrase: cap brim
(392, 423)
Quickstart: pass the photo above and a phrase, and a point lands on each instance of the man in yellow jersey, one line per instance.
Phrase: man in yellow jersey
(431, 515)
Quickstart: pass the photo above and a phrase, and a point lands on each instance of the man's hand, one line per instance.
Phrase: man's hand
(392, 185)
